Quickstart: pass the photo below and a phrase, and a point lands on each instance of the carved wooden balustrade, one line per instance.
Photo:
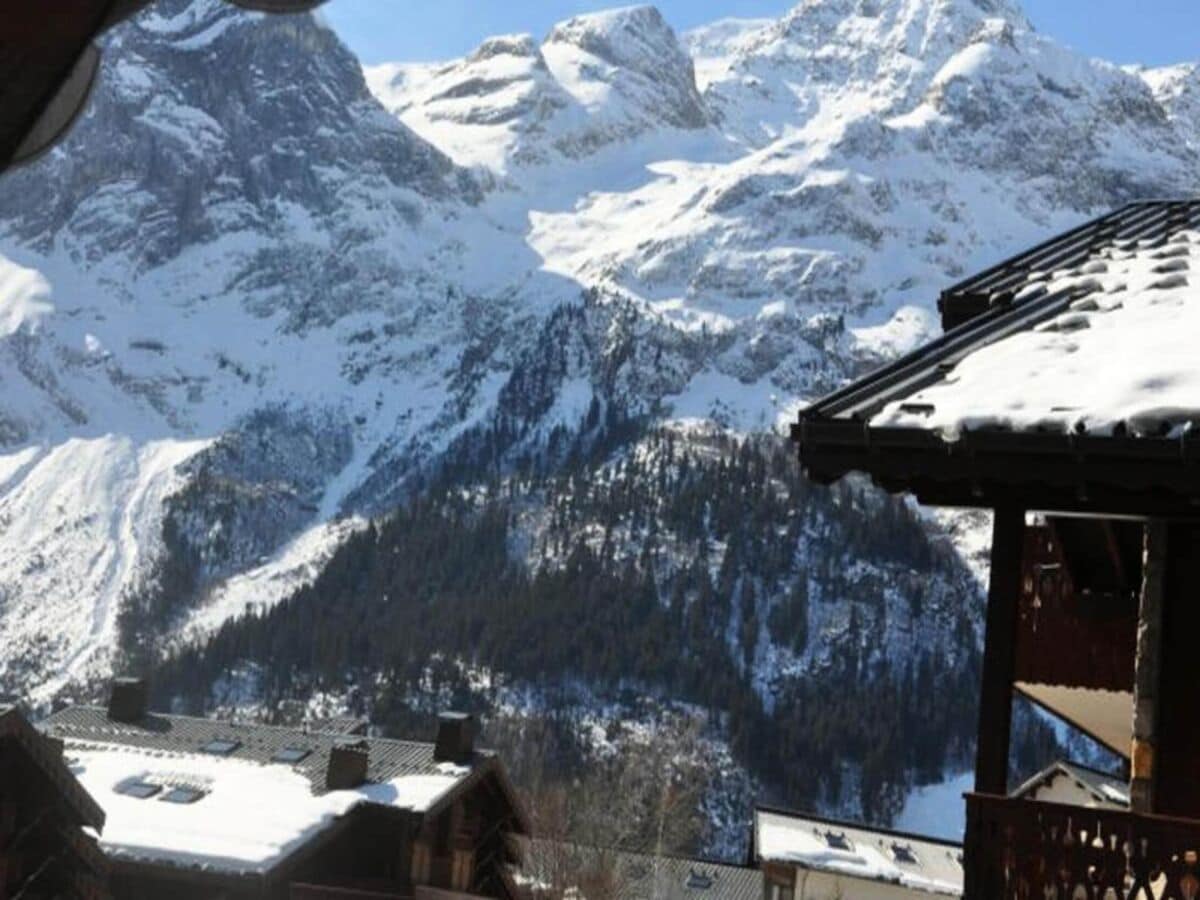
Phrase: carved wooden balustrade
(1024, 849)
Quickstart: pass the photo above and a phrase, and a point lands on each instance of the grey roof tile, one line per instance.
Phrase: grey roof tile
(388, 758)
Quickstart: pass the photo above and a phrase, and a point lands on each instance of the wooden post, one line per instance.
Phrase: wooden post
(999, 652)
(1147, 668)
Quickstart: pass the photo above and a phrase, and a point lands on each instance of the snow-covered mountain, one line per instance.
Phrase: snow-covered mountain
(260, 294)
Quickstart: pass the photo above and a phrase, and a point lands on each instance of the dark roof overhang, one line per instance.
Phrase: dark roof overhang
(47, 756)
(48, 63)
(1134, 476)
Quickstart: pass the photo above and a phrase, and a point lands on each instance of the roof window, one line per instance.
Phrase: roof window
(837, 840)
(221, 746)
(182, 795)
(903, 853)
(699, 881)
(137, 788)
(290, 754)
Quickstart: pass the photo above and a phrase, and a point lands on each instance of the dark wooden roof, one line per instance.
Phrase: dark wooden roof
(48, 61)
(39, 46)
(1052, 471)
(47, 756)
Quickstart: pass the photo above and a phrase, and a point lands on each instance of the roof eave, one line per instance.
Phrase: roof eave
(1041, 470)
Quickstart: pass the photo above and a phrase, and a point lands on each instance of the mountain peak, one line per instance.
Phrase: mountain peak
(916, 22)
(520, 45)
(633, 51)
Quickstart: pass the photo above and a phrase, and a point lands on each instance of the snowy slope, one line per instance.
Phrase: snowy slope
(257, 289)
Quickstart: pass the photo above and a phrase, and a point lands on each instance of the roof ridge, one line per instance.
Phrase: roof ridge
(53, 719)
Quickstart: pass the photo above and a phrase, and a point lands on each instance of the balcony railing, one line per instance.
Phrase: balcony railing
(1024, 849)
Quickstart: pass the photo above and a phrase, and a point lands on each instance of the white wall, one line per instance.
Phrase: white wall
(1063, 789)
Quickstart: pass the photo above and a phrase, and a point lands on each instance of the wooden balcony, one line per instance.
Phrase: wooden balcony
(1022, 849)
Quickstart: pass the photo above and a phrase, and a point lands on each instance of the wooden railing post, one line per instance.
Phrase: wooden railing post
(1146, 669)
(999, 652)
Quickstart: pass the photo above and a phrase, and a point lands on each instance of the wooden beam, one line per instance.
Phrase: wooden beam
(1114, 552)
(1146, 669)
(999, 652)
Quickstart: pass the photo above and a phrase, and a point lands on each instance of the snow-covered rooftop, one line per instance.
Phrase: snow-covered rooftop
(1105, 789)
(1120, 360)
(249, 815)
(262, 790)
(857, 851)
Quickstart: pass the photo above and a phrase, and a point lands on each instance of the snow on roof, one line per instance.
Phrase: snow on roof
(250, 816)
(857, 851)
(1107, 789)
(1121, 360)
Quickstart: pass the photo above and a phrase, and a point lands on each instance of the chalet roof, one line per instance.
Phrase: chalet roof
(850, 850)
(1068, 372)
(674, 878)
(47, 755)
(643, 876)
(256, 803)
(1106, 789)
(257, 743)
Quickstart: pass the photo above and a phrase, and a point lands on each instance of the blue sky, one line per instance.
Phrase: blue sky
(1155, 32)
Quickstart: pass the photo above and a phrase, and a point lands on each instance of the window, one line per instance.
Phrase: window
(221, 746)
(837, 840)
(182, 795)
(904, 854)
(290, 754)
(699, 881)
(137, 788)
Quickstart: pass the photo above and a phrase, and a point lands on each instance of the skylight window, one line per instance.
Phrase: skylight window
(182, 795)
(290, 754)
(137, 788)
(837, 840)
(904, 854)
(221, 746)
(699, 881)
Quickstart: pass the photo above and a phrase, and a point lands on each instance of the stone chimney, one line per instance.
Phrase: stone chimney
(127, 699)
(455, 738)
(347, 767)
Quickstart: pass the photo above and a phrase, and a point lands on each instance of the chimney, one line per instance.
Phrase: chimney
(455, 738)
(347, 767)
(127, 701)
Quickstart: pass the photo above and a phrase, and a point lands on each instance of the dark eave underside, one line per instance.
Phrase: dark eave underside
(1051, 472)
(1041, 470)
